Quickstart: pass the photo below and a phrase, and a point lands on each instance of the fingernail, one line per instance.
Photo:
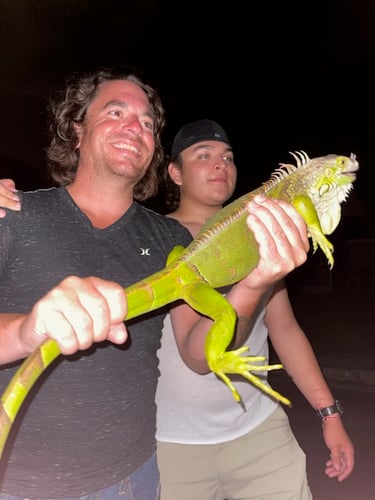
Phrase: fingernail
(251, 205)
(259, 198)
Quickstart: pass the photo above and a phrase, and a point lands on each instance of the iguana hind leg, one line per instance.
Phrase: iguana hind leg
(213, 304)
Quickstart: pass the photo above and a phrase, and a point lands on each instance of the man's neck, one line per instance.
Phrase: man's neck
(193, 217)
(102, 204)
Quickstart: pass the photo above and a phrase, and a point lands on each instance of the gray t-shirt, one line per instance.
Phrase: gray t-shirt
(90, 419)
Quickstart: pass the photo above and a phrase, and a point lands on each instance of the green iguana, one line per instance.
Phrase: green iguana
(315, 187)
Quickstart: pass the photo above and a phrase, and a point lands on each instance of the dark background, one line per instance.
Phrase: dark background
(279, 76)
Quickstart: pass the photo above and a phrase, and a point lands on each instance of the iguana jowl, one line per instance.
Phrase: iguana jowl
(315, 187)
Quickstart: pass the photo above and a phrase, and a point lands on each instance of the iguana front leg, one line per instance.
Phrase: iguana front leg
(209, 302)
(306, 208)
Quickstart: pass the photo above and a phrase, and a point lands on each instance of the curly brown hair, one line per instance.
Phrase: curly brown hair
(169, 189)
(69, 107)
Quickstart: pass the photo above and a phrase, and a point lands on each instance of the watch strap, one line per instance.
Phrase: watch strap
(330, 410)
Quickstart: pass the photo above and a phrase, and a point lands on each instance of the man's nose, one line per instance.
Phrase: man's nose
(133, 125)
(220, 163)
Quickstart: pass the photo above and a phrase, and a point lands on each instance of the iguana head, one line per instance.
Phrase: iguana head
(333, 178)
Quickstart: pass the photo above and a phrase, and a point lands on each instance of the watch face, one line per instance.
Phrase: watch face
(339, 407)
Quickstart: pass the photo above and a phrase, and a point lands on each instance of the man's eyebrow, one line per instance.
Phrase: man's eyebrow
(203, 145)
(115, 102)
(122, 104)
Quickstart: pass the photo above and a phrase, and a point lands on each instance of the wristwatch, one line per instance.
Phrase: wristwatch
(330, 410)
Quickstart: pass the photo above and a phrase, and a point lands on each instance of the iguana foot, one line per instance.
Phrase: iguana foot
(319, 240)
(233, 362)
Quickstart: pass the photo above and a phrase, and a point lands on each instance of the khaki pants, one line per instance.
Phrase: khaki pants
(267, 463)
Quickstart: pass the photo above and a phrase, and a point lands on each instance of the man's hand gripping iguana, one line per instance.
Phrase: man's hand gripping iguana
(315, 187)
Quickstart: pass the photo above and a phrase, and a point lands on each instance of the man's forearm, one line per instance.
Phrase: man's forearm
(247, 304)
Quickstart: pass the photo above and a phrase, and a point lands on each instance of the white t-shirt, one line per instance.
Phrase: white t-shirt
(200, 409)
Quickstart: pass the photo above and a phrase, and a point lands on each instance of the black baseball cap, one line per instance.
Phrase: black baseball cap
(201, 130)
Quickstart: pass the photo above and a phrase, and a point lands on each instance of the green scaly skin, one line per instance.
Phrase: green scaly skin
(315, 187)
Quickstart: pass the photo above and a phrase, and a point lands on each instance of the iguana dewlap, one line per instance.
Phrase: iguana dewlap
(315, 187)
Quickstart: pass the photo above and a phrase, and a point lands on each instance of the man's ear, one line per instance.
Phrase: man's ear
(78, 129)
(175, 173)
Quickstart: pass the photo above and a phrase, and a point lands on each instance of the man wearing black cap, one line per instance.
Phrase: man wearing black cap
(208, 447)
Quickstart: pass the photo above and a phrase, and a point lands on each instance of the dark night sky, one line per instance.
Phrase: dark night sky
(279, 76)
